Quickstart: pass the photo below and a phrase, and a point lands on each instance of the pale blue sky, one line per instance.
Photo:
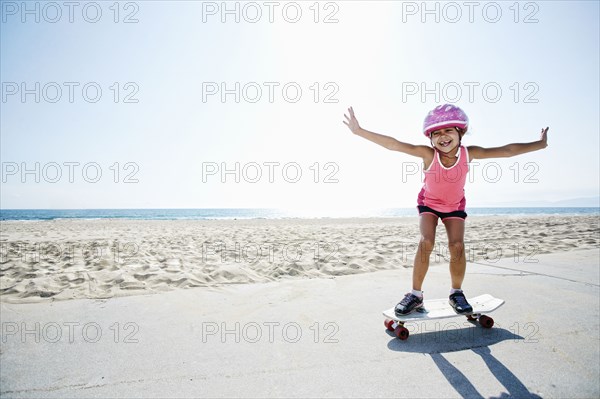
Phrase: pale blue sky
(367, 57)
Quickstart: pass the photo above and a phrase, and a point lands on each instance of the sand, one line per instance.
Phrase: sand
(117, 315)
(45, 261)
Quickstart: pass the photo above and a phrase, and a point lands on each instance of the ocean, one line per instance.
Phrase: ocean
(254, 213)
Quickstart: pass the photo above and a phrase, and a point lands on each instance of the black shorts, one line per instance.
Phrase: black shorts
(442, 215)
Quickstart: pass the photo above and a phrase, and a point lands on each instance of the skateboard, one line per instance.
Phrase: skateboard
(441, 309)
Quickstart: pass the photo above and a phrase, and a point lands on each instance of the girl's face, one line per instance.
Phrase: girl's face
(446, 139)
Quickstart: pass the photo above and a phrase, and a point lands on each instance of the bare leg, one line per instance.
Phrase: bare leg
(456, 244)
(427, 225)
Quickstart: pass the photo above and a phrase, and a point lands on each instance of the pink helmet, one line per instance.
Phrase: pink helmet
(442, 116)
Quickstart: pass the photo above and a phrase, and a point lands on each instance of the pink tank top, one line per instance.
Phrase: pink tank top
(444, 188)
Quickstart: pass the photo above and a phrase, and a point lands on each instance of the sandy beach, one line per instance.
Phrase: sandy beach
(43, 261)
(124, 308)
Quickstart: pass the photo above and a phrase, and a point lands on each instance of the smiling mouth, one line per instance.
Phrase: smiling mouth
(445, 143)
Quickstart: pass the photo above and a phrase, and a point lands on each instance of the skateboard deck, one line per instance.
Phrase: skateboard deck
(441, 309)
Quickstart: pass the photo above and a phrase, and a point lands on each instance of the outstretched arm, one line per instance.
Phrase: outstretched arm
(509, 150)
(385, 141)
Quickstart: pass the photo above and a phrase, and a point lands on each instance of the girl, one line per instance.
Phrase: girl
(446, 164)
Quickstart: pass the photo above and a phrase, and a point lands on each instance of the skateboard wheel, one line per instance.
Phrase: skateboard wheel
(401, 332)
(486, 321)
(389, 324)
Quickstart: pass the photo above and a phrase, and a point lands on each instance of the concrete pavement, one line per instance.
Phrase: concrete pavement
(316, 338)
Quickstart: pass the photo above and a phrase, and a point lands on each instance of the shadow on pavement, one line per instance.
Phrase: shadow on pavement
(514, 386)
(435, 342)
(448, 337)
(464, 387)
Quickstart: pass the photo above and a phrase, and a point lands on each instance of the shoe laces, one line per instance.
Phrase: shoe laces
(460, 299)
(408, 298)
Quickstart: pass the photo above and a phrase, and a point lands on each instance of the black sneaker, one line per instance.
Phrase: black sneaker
(408, 304)
(459, 303)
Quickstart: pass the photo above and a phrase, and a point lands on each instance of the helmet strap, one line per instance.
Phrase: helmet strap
(461, 133)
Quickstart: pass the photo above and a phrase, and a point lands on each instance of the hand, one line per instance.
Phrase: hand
(544, 137)
(351, 121)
